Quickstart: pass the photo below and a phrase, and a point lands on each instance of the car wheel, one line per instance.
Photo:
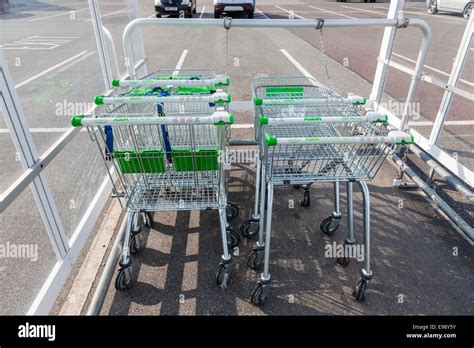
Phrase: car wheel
(433, 7)
(158, 15)
(467, 11)
(216, 15)
(250, 15)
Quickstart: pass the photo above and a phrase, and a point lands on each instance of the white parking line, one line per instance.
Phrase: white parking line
(433, 69)
(202, 11)
(64, 62)
(123, 10)
(180, 62)
(297, 64)
(57, 15)
(42, 130)
(339, 14)
(292, 13)
(363, 10)
(263, 14)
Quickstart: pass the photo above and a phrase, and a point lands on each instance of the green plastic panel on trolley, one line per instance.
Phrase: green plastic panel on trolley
(185, 160)
(149, 161)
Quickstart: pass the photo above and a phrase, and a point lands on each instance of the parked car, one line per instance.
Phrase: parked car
(234, 6)
(183, 8)
(461, 6)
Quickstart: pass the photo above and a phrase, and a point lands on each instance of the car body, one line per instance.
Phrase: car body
(461, 6)
(182, 8)
(234, 6)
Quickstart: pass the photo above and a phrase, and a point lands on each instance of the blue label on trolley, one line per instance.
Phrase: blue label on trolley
(109, 141)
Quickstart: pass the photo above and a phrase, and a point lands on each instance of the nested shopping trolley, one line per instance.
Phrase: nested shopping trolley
(166, 155)
(317, 137)
(286, 98)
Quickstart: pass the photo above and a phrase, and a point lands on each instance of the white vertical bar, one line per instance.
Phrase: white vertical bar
(388, 36)
(20, 133)
(101, 43)
(458, 65)
(138, 45)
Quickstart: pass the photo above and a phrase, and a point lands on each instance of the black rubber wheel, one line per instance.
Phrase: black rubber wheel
(360, 290)
(343, 261)
(306, 202)
(468, 11)
(233, 238)
(433, 8)
(189, 15)
(121, 282)
(134, 244)
(158, 15)
(326, 226)
(217, 15)
(250, 228)
(148, 219)
(232, 210)
(259, 295)
(250, 15)
(222, 276)
(255, 259)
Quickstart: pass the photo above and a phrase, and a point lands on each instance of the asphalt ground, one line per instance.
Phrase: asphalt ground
(70, 74)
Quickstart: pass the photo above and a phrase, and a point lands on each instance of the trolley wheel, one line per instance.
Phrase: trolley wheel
(233, 238)
(306, 202)
(148, 219)
(343, 261)
(255, 259)
(222, 276)
(327, 225)
(232, 210)
(259, 294)
(122, 282)
(360, 290)
(134, 244)
(250, 228)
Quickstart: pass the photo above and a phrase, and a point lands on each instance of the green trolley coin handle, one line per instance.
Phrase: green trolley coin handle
(218, 118)
(393, 137)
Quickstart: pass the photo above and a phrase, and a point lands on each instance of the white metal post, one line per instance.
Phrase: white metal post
(394, 11)
(138, 43)
(101, 44)
(458, 65)
(20, 133)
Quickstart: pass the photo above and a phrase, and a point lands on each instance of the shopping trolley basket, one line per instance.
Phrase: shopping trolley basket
(193, 178)
(287, 98)
(313, 149)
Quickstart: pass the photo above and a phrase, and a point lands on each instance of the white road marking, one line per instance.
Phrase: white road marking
(296, 64)
(290, 12)
(38, 43)
(339, 14)
(21, 84)
(57, 15)
(152, 15)
(67, 66)
(123, 10)
(433, 69)
(363, 10)
(180, 62)
(263, 14)
(202, 11)
(242, 126)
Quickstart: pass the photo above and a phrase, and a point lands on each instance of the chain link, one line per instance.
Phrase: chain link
(323, 55)
(227, 23)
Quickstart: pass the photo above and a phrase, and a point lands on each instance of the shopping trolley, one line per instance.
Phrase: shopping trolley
(287, 97)
(163, 137)
(176, 91)
(317, 136)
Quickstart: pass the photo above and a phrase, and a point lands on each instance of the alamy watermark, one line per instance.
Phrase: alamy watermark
(335, 250)
(19, 251)
(237, 156)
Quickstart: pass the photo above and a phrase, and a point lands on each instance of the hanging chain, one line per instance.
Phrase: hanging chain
(227, 23)
(323, 55)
